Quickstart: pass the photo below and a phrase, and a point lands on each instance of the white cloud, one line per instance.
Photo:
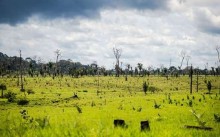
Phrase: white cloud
(146, 36)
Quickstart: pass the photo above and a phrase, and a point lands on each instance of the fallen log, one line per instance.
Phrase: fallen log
(198, 127)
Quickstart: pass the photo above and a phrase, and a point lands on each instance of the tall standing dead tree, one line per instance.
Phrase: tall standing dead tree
(218, 64)
(217, 49)
(58, 54)
(117, 53)
(21, 73)
(187, 62)
(182, 55)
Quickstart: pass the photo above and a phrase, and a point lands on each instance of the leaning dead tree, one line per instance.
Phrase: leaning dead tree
(117, 53)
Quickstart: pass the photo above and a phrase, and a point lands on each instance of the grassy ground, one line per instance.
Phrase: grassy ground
(52, 110)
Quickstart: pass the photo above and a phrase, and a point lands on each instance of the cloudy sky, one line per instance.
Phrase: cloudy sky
(152, 32)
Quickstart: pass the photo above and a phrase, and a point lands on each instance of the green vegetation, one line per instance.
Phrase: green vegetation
(66, 106)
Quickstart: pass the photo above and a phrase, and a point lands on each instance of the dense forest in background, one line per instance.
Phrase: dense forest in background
(13, 66)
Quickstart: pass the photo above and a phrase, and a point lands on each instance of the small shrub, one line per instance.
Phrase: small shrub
(92, 104)
(198, 118)
(170, 101)
(75, 96)
(22, 90)
(156, 106)
(190, 103)
(43, 122)
(10, 96)
(78, 108)
(152, 89)
(85, 90)
(23, 102)
(30, 91)
(217, 117)
(203, 97)
(209, 86)
(139, 109)
(187, 97)
(145, 87)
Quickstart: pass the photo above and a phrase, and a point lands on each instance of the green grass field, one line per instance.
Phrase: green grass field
(53, 111)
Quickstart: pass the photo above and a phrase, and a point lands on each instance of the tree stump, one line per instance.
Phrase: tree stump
(119, 123)
(145, 125)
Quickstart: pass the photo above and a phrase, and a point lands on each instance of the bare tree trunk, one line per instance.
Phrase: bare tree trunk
(197, 81)
(57, 52)
(217, 49)
(117, 53)
(182, 54)
(22, 85)
(191, 75)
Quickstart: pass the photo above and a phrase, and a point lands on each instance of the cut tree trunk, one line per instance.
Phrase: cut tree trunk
(198, 127)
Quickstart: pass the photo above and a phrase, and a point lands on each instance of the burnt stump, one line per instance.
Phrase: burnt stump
(119, 123)
(145, 125)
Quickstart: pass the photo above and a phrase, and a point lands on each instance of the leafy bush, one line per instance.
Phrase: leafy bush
(156, 106)
(217, 117)
(190, 103)
(30, 91)
(153, 89)
(43, 122)
(198, 118)
(78, 108)
(145, 87)
(10, 96)
(23, 102)
(209, 86)
(22, 90)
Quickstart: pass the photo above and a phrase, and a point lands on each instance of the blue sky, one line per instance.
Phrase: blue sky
(151, 32)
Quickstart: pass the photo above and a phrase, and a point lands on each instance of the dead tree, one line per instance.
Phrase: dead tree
(58, 54)
(218, 64)
(187, 62)
(21, 73)
(191, 77)
(217, 49)
(117, 53)
(182, 55)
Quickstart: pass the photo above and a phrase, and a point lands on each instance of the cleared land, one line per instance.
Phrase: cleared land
(73, 107)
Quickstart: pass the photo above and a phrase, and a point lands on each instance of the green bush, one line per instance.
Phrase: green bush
(145, 87)
(10, 96)
(30, 91)
(23, 102)
(209, 86)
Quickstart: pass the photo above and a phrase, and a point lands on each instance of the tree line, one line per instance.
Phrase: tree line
(14, 66)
